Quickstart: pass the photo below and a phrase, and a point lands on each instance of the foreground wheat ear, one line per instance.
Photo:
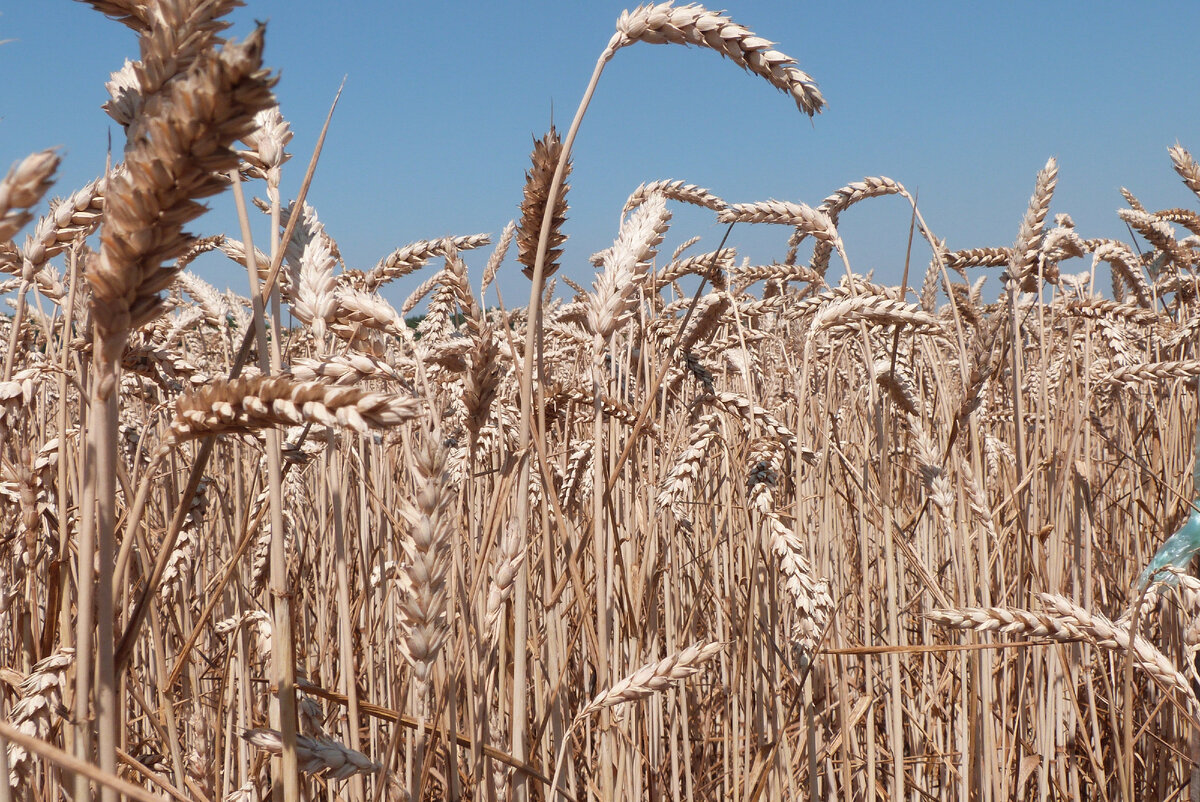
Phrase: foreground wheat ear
(846, 500)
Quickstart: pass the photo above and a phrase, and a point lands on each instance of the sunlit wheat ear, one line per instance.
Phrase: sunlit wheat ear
(836, 203)
(177, 151)
(1023, 267)
(686, 471)
(625, 266)
(1110, 636)
(653, 678)
(268, 148)
(408, 259)
(695, 25)
(1186, 166)
(427, 544)
(497, 257)
(811, 221)
(1007, 620)
(546, 153)
(24, 185)
(1159, 234)
(254, 403)
(677, 191)
(68, 220)
(1124, 264)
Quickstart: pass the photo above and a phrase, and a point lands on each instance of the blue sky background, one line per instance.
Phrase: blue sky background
(961, 102)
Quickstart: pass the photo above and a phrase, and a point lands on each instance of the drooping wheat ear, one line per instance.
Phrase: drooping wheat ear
(625, 266)
(177, 149)
(1096, 307)
(258, 402)
(1184, 217)
(836, 203)
(1124, 264)
(1186, 166)
(1008, 620)
(765, 464)
(546, 153)
(745, 276)
(710, 265)
(183, 556)
(1159, 234)
(684, 475)
(653, 678)
(1109, 636)
(408, 259)
(1154, 371)
(674, 190)
(897, 382)
(743, 408)
(977, 257)
(694, 25)
(708, 315)
(344, 369)
(427, 543)
(41, 700)
(318, 756)
(874, 309)
(1023, 267)
(812, 221)
(356, 308)
(809, 593)
(259, 621)
(578, 477)
(211, 302)
(24, 185)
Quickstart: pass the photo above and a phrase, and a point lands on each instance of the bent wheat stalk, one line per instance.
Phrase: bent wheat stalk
(648, 680)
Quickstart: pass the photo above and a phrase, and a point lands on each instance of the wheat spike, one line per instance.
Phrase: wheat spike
(695, 25)
(545, 157)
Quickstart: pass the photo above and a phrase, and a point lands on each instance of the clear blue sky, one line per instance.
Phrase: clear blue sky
(961, 102)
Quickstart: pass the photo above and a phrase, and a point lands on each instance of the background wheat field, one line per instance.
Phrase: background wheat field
(706, 529)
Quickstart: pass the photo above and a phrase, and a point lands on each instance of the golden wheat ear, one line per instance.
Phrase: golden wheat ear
(546, 153)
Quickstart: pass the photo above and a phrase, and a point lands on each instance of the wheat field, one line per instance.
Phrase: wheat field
(704, 530)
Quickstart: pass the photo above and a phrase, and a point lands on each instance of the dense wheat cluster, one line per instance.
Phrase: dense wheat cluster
(705, 530)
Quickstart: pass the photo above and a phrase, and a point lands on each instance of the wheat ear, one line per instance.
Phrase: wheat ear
(695, 25)
(316, 755)
(24, 185)
(546, 153)
(257, 402)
